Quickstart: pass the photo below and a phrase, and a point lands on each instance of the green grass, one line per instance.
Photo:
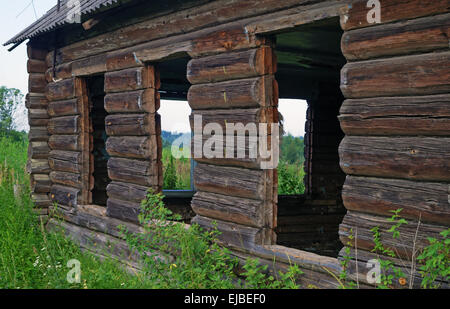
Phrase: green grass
(31, 257)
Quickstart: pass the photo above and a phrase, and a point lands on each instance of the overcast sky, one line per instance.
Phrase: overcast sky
(19, 14)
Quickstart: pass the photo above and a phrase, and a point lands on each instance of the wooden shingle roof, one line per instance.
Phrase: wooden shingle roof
(57, 17)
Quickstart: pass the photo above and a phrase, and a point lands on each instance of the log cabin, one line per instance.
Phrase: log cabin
(375, 75)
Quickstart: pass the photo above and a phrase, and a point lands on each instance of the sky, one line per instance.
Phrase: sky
(19, 14)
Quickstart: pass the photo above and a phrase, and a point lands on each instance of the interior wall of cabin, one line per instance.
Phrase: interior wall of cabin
(309, 64)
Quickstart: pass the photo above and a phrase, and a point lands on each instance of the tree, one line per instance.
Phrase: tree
(10, 98)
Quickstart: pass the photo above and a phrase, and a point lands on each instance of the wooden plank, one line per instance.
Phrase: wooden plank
(138, 172)
(185, 21)
(414, 158)
(427, 115)
(130, 124)
(380, 196)
(229, 66)
(38, 134)
(36, 101)
(65, 142)
(66, 179)
(38, 150)
(40, 200)
(64, 125)
(235, 235)
(144, 147)
(132, 102)
(230, 181)
(409, 75)
(403, 246)
(37, 113)
(392, 10)
(127, 191)
(36, 53)
(40, 183)
(36, 82)
(59, 72)
(36, 66)
(227, 208)
(130, 79)
(61, 90)
(38, 166)
(123, 210)
(243, 93)
(65, 161)
(64, 108)
(413, 36)
(233, 116)
(89, 66)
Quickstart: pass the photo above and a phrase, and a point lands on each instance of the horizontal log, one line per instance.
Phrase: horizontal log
(66, 179)
(36, 66)
(127, 191)
(64, 108)
(229, 66)
(38, 113)
(391, 10)
(379, 196)
(36, 53)
(65, 142)
(40, 200)
(63, 195)
(396, 157)
(144, 147)
(38, 150)
(138, 172)
(233, 116)
(130, 79)
(61, 90)
(64, 125)
(244, 93)
(231, 181)
(227, 208)
(36, 82)
(38, 166)
(427, 115)
(37, 122)
(402, 246)
(63, 71)
(131, 124)
(89, 66)
(408, 75)
(235, 235)
(65, 161)
(38, 134)
(40, 183)
(180, 22)
(243, 154)
(123, 210)
(133, 102)
(36, 101)
(414, 36)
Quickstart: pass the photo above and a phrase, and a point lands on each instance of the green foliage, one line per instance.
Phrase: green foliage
(292, 150)
(32, 257)
(176, 172)
(10, 98)
(175, 256)
(290, 179)
(436, 261)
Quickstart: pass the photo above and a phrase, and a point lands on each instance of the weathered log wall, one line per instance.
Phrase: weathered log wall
(38, 151)
(230, 88)
(134, 139)
(396, 120)
(403, 61)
